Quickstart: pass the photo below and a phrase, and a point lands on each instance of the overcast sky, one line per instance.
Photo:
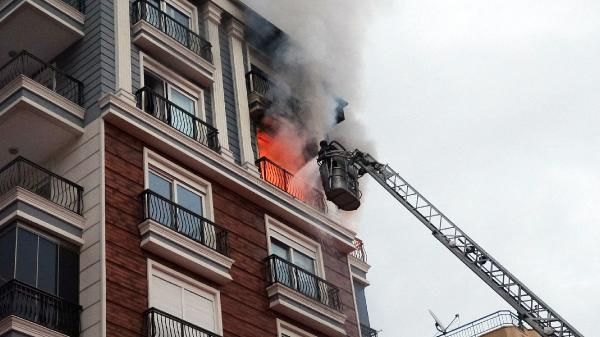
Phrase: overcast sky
(491, 110)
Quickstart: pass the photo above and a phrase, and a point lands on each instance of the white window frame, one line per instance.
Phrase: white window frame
(155, 268)
(296, 240)
(171, 78)
(186, 7)
(291, 330)
(164, 167)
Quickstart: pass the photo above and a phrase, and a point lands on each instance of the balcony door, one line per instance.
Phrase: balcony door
(176, 108)
(301, 278)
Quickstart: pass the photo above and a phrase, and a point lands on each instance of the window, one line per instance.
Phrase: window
(185, 200)
(285, 329)
(184, 298)
(40, 262)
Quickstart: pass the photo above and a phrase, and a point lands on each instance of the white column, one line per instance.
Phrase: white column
(212, 19)
(235, 33)
(123, 85)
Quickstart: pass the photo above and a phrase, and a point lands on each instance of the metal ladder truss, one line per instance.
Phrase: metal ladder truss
(530, 307)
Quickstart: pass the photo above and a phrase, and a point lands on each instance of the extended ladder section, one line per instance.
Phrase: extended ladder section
(530, 307)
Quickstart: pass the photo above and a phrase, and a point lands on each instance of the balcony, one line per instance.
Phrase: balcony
(259, 89)
(44, 27)
(40, 108)
(358, 263)
(184, 238)
(25, 302)
(178, 118)
(284, 180)
(503, 319)
(158, 323)
(172, 43)
(366, 331)
(304, 296)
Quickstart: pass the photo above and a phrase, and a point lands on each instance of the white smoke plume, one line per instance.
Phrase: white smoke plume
(322, 62)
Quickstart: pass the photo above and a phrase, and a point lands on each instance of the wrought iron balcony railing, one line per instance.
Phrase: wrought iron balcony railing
(77, 4)
(34, 178)
(184, 221)
(288, 274)
(178, 118)
(34, 305)
(158, 323)
(146, 11)
(47, 75)
(366, 331)
(359, 251)
(258, 82)
(284, 180)
(484, 325)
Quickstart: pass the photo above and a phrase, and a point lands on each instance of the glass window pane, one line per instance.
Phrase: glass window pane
(181, 112)
(47, 265)
(160, 185)
(181, 100)
(68, 279)
(304, 261)
(190, 200)
(280, 249)
(7, 256)
(178, 15)
(154, 83)
(26, 257)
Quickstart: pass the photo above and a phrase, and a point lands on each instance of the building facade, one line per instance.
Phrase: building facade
(136, 198)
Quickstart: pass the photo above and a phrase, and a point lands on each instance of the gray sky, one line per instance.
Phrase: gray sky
(490, 109)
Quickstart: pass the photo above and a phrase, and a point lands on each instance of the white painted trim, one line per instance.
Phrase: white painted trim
(103, 277)
(122, 115)
(153, 230)
(185, 282)
(47, 206)
(122, 29)
(290, 329)
(354, 300)
(13, 323)
(174, 79)
(178, 173)
(282, 299)
(359, 264)
(296, 240)
(57, 4)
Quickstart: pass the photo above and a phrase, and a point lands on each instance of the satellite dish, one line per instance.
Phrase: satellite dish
(438, 324)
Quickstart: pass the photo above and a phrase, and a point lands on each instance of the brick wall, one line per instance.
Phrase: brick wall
(244, 301)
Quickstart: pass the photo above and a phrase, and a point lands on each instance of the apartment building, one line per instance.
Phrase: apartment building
(135, 199)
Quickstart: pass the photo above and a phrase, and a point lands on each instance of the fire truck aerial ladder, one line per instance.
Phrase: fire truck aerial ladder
(340, 170)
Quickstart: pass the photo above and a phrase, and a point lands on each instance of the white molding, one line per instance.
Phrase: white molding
(122, 33)
(204, 187)
(153, 230)
(47, 206)
(282, 299)
(57, 4)
(24, 82)
(354, 302)
(123, 115)
(13, 323)
(296, 240)
(185, 282)
(156, 42)
(290, 329)
(358, 263)
(103, 278)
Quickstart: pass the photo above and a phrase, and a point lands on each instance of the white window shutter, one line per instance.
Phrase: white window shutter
(199, 310)
(166, 296)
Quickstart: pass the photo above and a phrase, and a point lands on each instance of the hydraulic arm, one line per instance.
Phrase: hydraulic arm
(340, 170)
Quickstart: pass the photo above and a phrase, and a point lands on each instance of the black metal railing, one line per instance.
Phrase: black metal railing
(21, 300)
(184, 221)
(359, 251)
(178, 118)
(47, 75)
(288, 274)
(366, 331)
(146, 11)
(77, 4)
(25, 174)
(258, 82)
(484, 325)
(158, 323)
(284, 180)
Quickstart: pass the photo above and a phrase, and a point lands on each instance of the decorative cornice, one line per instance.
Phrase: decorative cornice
(212, 13)
(235, 29)
(150, 227)
(13, 323)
